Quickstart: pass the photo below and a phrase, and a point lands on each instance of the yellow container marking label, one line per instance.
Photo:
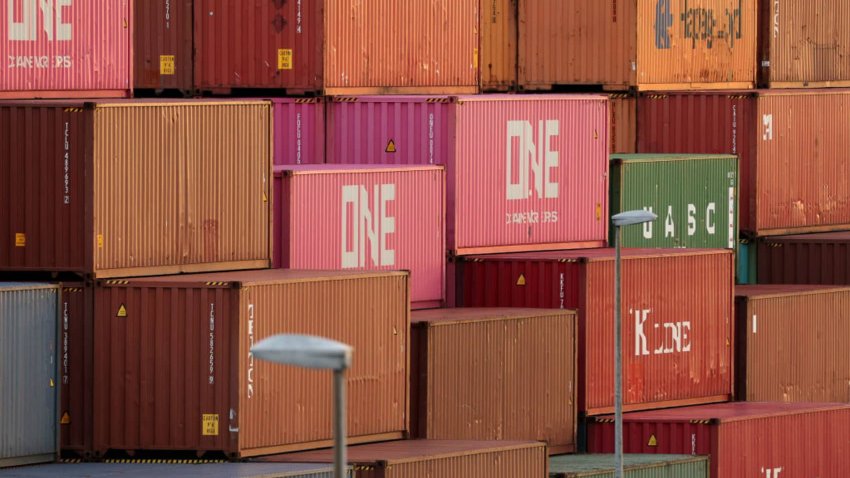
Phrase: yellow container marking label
(20, 239)
(66, 419)
(598, 211)
(475, 58)
(122, 311)
(209, 425)
(284, 59)
(390, 147)
(166, 64)
(521, 280)
(100, 241)
(652, 441)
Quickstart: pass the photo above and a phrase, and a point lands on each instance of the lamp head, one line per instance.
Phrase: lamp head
(306, 351)
(637, 216)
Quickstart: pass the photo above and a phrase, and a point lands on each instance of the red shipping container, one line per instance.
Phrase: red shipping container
(804, 259)
(372, 217)
(523, 172)
(677, 317)
(793, 153)
(65, 49)
(162, 45)
(744, 439)
(299, 130)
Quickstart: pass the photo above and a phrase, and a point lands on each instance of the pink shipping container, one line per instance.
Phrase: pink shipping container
(299, 130)
(364, 217)
(65, 49)
(523, 172)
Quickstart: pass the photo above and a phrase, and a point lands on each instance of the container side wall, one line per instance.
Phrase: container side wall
(526, 461)
(75, 367)
(299, 131)
(498, 44)
(623, 123)
(162, 44)
(802, 262)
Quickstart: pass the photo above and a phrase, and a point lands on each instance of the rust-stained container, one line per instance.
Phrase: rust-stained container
(651, 45)
(498, 43)
(437, 458)
(744, 439)
(518, 381)
(60, 49)
(805, 259)
(792, 343)
(794, 174)
(623, 123)
(337, 46)
(299, 130)
(135, 188)
(804, 43)
(174, 371)
(162, 45)
(677, 317)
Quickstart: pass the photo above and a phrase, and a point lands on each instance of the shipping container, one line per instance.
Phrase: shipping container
(694, 196)
(29, 315)
(162, 45)
(676, 310)
(149, 468)
(792, 343)
(793, 168)
(76, 337)
(437, 458)
(804, 43)
(299, 130)
(518, 381)
(634, 466)
(337, 46)
(623, 123)
(667, 44)
(64, 50)
(174, 371)
(115, 189)
(372, 218)
(523, 172)
(805, 259)
(747, 262)
(498, 40)
(744, 439)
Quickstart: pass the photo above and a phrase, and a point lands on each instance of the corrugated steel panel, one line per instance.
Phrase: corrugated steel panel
(634, 466)
(148, 468)
(75, 368)
(528, 173)
(781, 358)
(805, 259)
(137, 188)
(677, 317)
(299, 130)
(389, 130)
(804, 44)
(744, 439)
(437, 458)
(650, 45)
(28, 387)
(623, 123)
(372, 218)
(694, 196)
(162, 44)
(747, 262)
(498, 38)
(519, 381)
(213, 395)
(64, 50)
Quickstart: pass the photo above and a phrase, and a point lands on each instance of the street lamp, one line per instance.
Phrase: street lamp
(314, 352)
(620, 220)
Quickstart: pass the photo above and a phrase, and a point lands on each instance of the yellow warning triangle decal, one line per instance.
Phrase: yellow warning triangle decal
(122, 311)
(52, 383)
(390, 147)
(521, 280)
(652, 441)
(66, 419)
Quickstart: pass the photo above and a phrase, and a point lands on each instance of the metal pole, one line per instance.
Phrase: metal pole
(618, 362)
(340, 462)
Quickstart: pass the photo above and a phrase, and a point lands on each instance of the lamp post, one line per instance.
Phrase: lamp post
(315, 352)
(620, 220)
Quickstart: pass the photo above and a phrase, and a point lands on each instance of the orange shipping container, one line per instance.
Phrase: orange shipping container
(623, 123)
(518, 381)
(498, 45)
(648, 44)
(804, 43)
(792, 343)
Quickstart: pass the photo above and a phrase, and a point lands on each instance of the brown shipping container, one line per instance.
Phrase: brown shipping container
(174, 371)
(792, 343)
(804, 259)
(338, 47)
(75, 366)
(437, 459)
(498, 45)
(518, 381)
(162, 45)
(651, 45)
(135, 188)
(804, 43)
(623, 123)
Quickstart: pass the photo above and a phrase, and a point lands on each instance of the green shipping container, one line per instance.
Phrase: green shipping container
(694, 196)
(635, 466)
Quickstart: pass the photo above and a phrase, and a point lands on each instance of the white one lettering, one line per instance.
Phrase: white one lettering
(360, 222)
(52, 22)
(538, 159)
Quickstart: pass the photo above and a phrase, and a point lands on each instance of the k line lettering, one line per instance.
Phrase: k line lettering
(671, 337)
(771, 472)
(534, 158)
(361, 223)
(53, 24)
(709, 222)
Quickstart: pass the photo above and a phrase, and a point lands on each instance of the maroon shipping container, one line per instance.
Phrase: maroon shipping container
(299, 131)
(744, 439)
(677, 315)
(795, 176)
(162, 45)
(163, 363)
(805, 259)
